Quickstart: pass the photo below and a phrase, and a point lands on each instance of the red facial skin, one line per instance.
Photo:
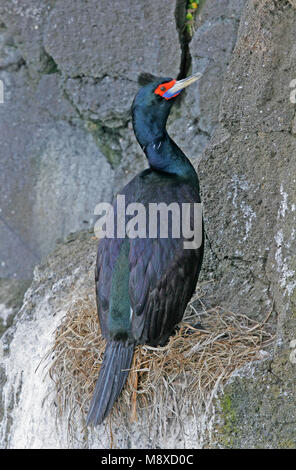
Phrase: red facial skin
(164, 87)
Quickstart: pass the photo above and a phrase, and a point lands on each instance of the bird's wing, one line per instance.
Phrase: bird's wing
(162, 274)
(163, 278)
(108, 252)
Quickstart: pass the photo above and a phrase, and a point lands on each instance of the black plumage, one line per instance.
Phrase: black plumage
(144, 284)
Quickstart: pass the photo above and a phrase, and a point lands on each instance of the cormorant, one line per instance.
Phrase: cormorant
(143, 285)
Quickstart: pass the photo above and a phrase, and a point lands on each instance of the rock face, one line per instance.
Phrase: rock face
(48, 158)
(70, 72)
(249, 164)
(11, 294)
(248, 182)
(75, 148)
(66, 274)
(210, 50)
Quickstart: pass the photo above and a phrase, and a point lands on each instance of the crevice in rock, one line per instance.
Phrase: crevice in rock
(13, 59)
(48, 65)
(268, 281)
(208, 241)
(107, 140)
(202, 131)
(15, 66)
(184, 38)
(67, 97)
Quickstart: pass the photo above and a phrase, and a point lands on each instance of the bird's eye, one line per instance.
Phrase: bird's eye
(163, 88)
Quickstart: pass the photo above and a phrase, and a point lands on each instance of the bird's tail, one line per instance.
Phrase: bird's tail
(113, 374)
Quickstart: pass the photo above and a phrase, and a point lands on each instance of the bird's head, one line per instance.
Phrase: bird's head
(153, 102)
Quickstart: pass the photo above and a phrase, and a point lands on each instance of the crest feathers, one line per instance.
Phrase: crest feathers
(145, 78)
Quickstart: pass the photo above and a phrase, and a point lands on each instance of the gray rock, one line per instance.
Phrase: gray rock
(11, 298)
(101, 73)
(248, 186)
(52, 166)
(33, 329)
(248, 170)
(257, 408)
(210, 50)
(96, 99)
(25, 21)
(65, 121)
(79, 95)
(87, 39)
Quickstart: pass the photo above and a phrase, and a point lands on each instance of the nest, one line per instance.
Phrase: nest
(203, 353)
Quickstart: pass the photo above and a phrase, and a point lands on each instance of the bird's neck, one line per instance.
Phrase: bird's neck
(162, 152)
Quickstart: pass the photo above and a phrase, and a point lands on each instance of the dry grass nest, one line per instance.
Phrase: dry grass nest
(188, 369)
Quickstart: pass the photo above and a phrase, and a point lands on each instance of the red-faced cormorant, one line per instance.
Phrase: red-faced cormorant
(144, 284)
